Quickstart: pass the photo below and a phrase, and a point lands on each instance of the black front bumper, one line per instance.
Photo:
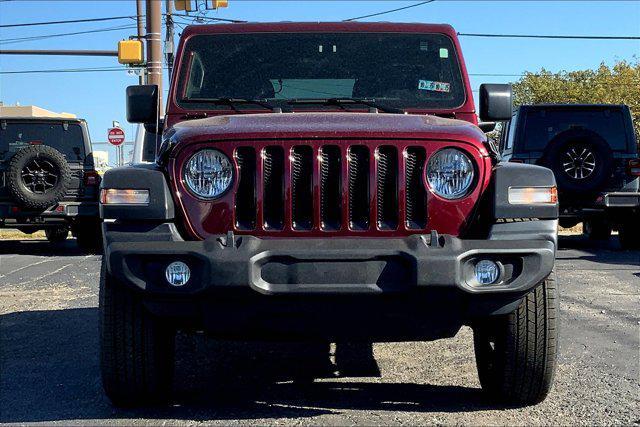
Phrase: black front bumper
(330, 266)
(241, 285)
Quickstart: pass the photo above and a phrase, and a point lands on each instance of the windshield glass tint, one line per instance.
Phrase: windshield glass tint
(399, 70)
(69, 142)
(542, 126)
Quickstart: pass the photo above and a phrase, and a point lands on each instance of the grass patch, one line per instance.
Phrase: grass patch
(570, 231)
(11, 234)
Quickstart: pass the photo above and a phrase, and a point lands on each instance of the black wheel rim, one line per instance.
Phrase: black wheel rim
(579, 162)
(40, 176)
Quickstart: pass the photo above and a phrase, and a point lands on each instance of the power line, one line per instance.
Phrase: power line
(74, 70)
(68, 70)
(72, 21)
(549, 36)
(389, 11)
(209, 18)
(112, 18)
(48, 36)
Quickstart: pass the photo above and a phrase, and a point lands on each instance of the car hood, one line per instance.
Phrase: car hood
(325, 125)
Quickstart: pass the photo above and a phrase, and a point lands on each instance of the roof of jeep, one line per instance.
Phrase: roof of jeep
(293, 27)
(42, 119)
(572, 106)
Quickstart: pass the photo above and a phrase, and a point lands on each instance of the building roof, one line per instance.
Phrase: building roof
(26, 111)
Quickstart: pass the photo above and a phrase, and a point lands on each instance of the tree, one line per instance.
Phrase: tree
(619, 84)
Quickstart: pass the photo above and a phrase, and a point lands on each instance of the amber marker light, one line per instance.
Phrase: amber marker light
(113, 196)
(533, 195)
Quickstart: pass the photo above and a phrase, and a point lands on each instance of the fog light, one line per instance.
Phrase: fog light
(178, 273)
(487, 272)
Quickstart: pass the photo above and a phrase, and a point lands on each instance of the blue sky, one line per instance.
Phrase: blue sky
(99, 96)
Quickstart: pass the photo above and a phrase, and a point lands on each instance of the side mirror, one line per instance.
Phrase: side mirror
(496, 102)
(142, 104)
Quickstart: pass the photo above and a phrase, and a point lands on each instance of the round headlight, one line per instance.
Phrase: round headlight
(208, 174)
(450, 173)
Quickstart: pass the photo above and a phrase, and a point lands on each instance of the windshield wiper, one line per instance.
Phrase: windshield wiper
(234, 102)
(340, 102)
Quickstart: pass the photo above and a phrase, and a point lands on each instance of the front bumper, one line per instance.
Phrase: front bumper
(326, 266)
(417, 287)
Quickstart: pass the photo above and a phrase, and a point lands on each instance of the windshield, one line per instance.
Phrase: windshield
(15, 136)
(399, 70)
(542, 125)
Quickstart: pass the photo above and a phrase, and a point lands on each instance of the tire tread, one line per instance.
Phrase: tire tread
(521, 368)
(136, 352)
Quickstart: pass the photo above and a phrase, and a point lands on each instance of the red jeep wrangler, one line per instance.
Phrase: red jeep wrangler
(326, 182)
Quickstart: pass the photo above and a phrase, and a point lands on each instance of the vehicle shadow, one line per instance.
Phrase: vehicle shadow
(49, 372)
(579, 247)
(41, 248)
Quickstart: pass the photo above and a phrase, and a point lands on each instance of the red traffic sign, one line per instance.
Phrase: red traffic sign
(115, 136)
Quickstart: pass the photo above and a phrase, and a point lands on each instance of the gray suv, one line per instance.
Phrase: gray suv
(593, 152)
(48, 180)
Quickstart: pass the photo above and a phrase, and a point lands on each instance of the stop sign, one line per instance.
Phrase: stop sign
(115, 136)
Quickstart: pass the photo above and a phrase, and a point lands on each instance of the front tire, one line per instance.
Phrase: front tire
(136, 348)
(516, 354)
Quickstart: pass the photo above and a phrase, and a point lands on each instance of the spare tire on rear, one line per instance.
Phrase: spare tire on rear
(580, 159)
(38, 176)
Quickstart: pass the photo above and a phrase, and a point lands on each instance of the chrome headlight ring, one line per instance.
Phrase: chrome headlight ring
(208, 174)
(450, 173)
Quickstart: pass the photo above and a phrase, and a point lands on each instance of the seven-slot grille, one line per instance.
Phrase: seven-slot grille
(330, 188)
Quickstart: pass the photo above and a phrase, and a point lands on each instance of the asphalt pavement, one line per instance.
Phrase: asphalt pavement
(49, 357)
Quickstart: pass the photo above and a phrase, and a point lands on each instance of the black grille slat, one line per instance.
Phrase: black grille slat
(358, 187)
(416, 196)
(331, 188)
(273, 195)
(302, 188)
(246, 194)
(387, 188)
(384, 186)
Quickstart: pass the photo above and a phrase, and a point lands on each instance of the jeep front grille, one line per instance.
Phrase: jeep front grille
(330, 188)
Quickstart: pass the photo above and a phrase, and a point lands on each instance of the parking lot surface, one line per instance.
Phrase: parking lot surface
(49, 357)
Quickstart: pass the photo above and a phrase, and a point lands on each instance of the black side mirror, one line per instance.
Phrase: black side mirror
(496, 102)
(142, 104)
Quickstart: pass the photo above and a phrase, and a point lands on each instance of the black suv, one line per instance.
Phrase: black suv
(48, 179)
(593, 153)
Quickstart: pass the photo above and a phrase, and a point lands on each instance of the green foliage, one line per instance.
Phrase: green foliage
(619, 84)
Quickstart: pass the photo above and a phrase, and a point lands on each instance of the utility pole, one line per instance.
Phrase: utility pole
(168, 41)
(139, 11)
(154, 48)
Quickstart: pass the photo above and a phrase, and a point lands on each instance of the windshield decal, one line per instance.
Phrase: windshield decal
(434, 86)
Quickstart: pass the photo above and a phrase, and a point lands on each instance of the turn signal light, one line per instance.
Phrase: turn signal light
(112, 196)
(533, 195)
(633, 168)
